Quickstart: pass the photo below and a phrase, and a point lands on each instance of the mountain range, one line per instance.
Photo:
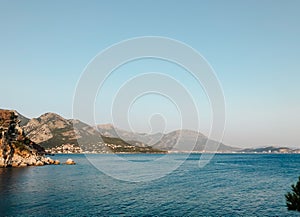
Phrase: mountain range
(59, 135)
(176, 141)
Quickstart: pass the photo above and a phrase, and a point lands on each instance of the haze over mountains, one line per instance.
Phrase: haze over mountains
(183, 140)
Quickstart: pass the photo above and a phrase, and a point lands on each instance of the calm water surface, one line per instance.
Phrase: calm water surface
(230, 185)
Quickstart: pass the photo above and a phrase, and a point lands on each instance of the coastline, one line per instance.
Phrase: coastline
(140, 153)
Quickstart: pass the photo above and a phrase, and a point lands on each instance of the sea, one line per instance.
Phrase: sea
(229, 185)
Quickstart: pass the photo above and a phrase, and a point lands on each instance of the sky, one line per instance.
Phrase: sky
(253, 47)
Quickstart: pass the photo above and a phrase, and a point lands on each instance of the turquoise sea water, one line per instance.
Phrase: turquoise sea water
(230, 185)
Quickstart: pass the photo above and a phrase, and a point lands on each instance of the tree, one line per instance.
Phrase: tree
(293, 198)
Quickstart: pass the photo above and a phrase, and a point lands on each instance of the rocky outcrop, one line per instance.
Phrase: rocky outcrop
(16, 150)
(70, 162)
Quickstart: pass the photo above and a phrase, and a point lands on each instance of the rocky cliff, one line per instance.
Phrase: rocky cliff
(16, 150)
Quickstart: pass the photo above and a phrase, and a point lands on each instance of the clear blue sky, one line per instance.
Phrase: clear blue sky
(253, 46)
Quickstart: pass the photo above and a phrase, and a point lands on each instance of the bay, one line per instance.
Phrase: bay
(230, 185)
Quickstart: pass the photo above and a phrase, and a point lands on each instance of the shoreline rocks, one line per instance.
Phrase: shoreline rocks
(16, 150)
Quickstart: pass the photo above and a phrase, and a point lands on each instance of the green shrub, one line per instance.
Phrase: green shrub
(293, 198)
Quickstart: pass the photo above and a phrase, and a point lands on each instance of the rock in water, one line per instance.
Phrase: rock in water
(39, 163)
(70, 162)
(16, 150)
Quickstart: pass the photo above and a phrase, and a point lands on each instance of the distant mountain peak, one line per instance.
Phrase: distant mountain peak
(187, 132)
(105, 126)
(51, 115)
